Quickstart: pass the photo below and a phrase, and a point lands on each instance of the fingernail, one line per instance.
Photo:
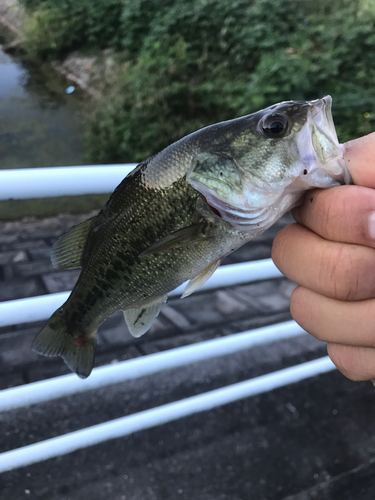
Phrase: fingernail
(371, 225)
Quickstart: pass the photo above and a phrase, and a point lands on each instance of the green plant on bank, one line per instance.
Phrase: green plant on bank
(56, 27)
(183, 64)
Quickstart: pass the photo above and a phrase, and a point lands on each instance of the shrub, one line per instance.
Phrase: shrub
(56, 27)
(183, 64)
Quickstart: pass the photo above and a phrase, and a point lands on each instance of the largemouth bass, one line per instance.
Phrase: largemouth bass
(180, 212)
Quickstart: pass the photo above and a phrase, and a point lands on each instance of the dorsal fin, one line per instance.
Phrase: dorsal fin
(67, 251)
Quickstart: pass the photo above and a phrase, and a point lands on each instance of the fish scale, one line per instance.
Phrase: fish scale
(162, 211)
(180, 212)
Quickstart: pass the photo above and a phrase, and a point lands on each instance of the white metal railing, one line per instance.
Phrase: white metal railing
(33, 183)
(66, 385)
(41, 307)
(61, 181)
(147, 419)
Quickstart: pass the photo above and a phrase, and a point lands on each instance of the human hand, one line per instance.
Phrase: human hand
(330, 253)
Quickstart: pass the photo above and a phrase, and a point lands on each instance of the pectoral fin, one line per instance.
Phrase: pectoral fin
(181, 238)
(202, 277)
(67, 251)
(140, 320)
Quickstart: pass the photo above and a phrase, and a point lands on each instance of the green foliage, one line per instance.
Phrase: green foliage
(56, 27)
(188, 63)
(153, 101)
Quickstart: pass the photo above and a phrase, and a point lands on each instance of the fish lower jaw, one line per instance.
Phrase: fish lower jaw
(257, 220)
(256, 211)
(333, 173)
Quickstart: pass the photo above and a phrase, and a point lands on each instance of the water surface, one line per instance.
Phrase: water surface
(40, 126)
(39, 122)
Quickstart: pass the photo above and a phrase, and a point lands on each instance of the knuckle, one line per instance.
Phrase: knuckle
(294, 307)
(300, 307)
(340, 272)
(280, 245)
(302, 311)
(328, 212)
(318, 334)
(340, 356)
(351, 361)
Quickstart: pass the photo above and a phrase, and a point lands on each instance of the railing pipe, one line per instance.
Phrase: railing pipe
(40, 308)
(67, 385)
(26, 183)
(130, 424)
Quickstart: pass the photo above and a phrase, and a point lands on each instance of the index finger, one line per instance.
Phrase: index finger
(346, 214)
(360, 159)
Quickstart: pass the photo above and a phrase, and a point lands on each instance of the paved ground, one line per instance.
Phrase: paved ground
(311, 440)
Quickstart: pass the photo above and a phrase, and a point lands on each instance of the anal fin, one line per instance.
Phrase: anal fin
(67, 251)
(139, 320)
(202, 277)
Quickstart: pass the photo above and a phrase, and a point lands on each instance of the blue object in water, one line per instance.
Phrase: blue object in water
(70, 89)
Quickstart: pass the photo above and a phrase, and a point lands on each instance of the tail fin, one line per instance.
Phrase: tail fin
(55, 340)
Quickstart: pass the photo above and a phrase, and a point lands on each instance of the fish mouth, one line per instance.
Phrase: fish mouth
(317, 161)
(318, 148)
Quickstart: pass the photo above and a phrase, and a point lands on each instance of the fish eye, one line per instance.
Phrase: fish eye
(274, 125)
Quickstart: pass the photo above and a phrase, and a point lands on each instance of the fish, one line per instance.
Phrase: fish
(180, 212)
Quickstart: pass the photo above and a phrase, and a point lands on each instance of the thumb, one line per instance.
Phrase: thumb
(360, 159)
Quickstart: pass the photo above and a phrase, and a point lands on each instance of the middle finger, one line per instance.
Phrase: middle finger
(335, 270)
(345, 214)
